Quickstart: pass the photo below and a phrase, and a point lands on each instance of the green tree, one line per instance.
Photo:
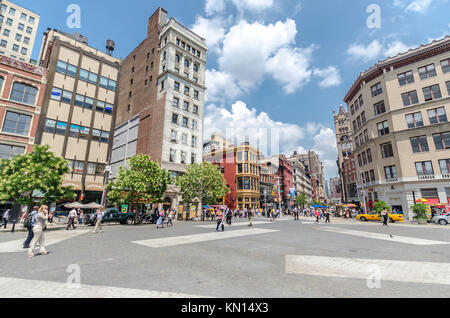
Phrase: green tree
(39, 172)
(420, 211)
(379, 206)
(142, 182)
(202, 183)
(301, 199)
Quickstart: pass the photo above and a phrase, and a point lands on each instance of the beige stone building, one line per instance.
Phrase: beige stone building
(78, 113)
(301, 178)
(18, 29)
(314, 166)
(399, 112)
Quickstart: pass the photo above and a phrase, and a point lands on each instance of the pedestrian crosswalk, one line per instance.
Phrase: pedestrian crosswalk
(234, 224)
(51, 238)
(198, 238)
(385, 237)
(10, 287)
(389, 270)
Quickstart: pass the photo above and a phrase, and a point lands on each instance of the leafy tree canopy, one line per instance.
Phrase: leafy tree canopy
(40, 171)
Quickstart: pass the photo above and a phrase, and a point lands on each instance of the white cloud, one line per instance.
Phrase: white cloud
(290, 67)
(395, 48)
(243, 121)
(214, 6)
(326, 148)
(330, 77)
(365, 53)
(419, 6)
(253, 4)
(213, 30)
(221, 87)
(247, 47)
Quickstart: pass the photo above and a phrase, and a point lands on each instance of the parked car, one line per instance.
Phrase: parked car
(443, 219)
(112, 215)
(374, 216)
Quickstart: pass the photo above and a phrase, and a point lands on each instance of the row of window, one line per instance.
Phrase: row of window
(186, 105)
(425, 72)
(16, 123)
(184, 122)
(365, 158)
(188, 47)
(60, 128)
(183, 157)
(77, 167)
(20, 27)
(12, 11)
(425, 168)
(187, 89)
(247, 183)
(184, 138)
(441, 141)
(15, 47)
(9, 151)
(81, 101)
(85, 75)
(247, 168)
(429, 93)
(187, 62)
(247, 156)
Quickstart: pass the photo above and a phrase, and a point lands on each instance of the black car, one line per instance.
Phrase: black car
(111, 216)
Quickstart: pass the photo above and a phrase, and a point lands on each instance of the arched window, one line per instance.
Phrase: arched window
(344, 138)
(24, 93)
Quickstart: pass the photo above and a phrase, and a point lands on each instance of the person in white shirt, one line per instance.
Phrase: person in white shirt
(99, 219)
(72, 217)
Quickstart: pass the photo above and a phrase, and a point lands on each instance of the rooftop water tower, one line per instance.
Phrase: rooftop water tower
(110, 45)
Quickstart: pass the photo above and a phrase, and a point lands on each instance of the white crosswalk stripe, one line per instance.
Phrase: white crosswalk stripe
(385, 237)
(213, 226)
(389, 270)
(10, 287)
(198, 238)
(51, 238)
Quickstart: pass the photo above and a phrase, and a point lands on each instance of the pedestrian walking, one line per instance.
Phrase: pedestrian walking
(220, 222)
(385, 216)
(317, 214)
(72, 216)
(98, 220)
(229, 217)
(160, 219)
(5, 218)
(29, 223)
(327, 216)
(250, 217)
(38, 231)
(170, 217)
(296, 214)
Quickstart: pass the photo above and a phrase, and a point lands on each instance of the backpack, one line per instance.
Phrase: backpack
(28, 220)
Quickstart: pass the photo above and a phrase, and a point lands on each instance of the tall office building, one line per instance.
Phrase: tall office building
(399, 112)
(78, 113)
(161, 99)
(18, 29)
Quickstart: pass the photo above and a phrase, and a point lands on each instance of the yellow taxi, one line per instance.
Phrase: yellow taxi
(374, 216)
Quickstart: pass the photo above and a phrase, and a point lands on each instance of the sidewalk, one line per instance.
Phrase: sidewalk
(50, 227)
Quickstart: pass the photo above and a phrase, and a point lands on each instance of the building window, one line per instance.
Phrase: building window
(176, 86)
(386, 150)
(174, 119)
(445, 64)
(372, 175)
(377, 90)
(26, 40)
(448, 87)
(419, 144)
(366, 136)
(16, 123)
(186, 63)
(162, 85)
(196, 95)
(183, 157)
(364, 158)
(184, 139)
(194, 109)
(9, 152)
(31, 20)
(175, 102)
(445, 166)
(173, 135)
(424, 168)
(379, 108)
(414, 120)
(352, 109)
(369, 155)
(194, 124)
(172, 155)
(442, 140)
(427, 72)
(185, 122)
(186, 106)
(186, 90)
(406, 78)
(390, 172)
(106, 83)
(66, 68)
(358, 120)
(23, 93)
(363, 117)
(193, 158)
(410, 98)
(195, 68)
(383, 128)
(361, 100)
(432, 92)
(437, 115)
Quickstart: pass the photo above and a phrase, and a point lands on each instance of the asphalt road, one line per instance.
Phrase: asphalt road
(250, 263)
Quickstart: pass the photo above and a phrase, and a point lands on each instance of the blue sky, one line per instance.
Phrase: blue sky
(276, 64)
